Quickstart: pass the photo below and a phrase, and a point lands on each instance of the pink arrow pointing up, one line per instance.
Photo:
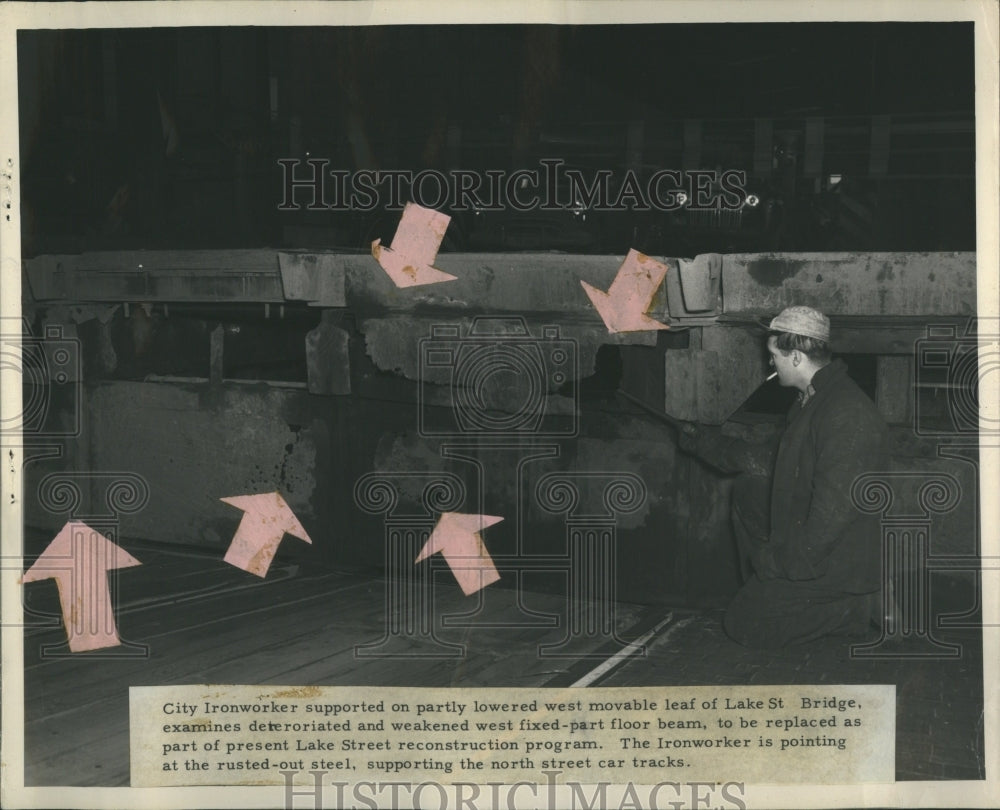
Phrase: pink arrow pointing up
(456, 536)
(623, 306)
(79, 558)
(414, 248)
(266, 520)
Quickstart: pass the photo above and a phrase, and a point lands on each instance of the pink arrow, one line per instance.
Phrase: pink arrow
(456, 536)
(266, 520)
(623, 306)
(414, 248)
(78, 559)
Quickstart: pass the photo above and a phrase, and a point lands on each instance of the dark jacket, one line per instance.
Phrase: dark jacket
(817, 533)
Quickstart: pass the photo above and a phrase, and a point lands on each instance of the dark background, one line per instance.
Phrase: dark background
(170, 137)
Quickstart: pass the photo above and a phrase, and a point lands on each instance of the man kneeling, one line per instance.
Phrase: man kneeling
(810, 559)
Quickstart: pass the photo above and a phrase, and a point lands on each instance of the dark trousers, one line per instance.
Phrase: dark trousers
(777, 612)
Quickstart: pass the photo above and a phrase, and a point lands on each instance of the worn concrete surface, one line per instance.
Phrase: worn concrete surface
(194, 445)
(708, 384)
(401, 344)
(328, 363)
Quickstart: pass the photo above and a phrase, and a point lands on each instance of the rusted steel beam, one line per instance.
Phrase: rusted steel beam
(518, 283)
(153, 275)
(853, 284)
(845, 284)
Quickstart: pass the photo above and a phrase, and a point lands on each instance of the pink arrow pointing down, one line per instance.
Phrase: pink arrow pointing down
(623, 306)
(456, 536)
(414, 248)
(78, 559)
(268, 518)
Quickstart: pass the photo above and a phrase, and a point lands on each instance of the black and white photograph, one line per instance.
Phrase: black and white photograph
(585, 405)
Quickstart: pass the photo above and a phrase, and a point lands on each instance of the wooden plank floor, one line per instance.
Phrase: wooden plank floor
(939, 701)
(202, 621)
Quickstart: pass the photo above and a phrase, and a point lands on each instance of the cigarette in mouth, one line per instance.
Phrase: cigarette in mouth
(772, 376)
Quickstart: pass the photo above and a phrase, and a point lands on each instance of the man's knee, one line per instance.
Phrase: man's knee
(769, 615)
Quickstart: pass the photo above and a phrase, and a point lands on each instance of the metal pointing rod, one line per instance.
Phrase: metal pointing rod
(678, 424)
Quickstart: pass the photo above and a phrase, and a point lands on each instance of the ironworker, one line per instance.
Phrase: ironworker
(810, 559)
